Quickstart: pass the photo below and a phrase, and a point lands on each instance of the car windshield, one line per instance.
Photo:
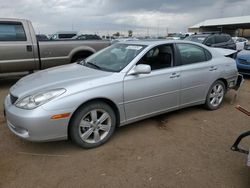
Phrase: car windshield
(175, 35)
(113, 58)
(196, 38)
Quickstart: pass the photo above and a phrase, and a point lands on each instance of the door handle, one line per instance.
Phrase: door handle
(29, 48)
(174, 75)
(213, 68)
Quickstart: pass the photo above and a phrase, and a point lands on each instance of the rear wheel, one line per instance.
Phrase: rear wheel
(215, 95)
(92, 125)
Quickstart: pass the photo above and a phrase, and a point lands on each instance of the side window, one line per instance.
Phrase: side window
(210, 41)
(220, 38)
(12, 32)
(191, 53)
(208, 55)
(159, 57)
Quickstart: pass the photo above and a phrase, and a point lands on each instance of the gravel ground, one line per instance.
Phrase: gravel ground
(186, 148)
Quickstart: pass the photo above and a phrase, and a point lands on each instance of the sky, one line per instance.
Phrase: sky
(153, 17)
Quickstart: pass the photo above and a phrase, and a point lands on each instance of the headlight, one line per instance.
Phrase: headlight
(38, 99)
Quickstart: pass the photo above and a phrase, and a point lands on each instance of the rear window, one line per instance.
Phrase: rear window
(222, 38)
(12, 32)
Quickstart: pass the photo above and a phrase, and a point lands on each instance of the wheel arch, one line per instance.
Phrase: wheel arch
(81, 52)
(224, 82)
(105, 100)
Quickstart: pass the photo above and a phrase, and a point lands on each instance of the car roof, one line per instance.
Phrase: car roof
(199, 35)
(156, 42)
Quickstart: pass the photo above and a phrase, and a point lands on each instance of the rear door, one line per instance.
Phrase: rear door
(197, 70)
(16, 47)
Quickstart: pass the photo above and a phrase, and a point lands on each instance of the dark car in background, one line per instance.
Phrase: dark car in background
(86, 37)
(42, 37)
(217, 40)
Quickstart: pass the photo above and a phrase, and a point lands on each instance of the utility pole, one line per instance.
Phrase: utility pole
(158, 29)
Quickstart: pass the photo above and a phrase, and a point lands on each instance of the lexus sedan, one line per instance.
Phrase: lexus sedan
(118, 85)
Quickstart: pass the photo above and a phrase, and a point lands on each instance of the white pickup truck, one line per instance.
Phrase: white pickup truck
(21, 51)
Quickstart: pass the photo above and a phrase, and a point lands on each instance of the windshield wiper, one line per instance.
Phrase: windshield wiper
(93, 65)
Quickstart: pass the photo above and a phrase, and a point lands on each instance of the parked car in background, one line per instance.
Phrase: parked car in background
(124, 83)
(175, 36)
(86, 37)
(217, 40)
(240, 42)
(42, 37)
(243, 60)
(21, 51)
(63, 35)
(124, 39)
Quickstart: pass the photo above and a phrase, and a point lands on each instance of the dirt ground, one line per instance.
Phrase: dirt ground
(186, 148)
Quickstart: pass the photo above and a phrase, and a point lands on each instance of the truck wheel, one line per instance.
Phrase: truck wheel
(92, 125)
(215, 95)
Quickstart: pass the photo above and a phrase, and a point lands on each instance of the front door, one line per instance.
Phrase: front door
(17, 51)
(154, 93)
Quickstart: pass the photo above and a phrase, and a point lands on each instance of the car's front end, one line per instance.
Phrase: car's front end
(38, 124)
(243, 62)
(39, 106)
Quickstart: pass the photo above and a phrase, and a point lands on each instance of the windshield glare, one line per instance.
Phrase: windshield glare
(115, 57)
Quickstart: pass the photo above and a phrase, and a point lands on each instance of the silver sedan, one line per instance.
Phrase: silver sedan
(121, 84)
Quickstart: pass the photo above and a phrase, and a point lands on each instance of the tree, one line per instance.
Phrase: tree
(117, 34)
(130, 33)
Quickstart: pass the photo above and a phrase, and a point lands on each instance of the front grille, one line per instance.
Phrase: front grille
(13, 99)
(245, 62)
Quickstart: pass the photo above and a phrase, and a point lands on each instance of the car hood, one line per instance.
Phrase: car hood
(244, 54)
(58, 77)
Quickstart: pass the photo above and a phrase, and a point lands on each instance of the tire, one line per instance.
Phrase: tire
(215, 95)
(92, 125)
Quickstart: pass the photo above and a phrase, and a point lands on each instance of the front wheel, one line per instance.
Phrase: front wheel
(92, 125)
(215, 95)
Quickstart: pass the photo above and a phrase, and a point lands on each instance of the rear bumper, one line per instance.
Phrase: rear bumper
(238, 82)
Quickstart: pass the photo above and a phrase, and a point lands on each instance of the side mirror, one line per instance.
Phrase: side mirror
(140, 69)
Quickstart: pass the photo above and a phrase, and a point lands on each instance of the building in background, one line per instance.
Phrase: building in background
(235, 26)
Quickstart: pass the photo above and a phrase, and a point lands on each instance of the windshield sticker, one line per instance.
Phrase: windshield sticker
(134, 47)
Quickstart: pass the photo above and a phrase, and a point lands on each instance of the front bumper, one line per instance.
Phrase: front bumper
(35, 125)
(243, 68)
